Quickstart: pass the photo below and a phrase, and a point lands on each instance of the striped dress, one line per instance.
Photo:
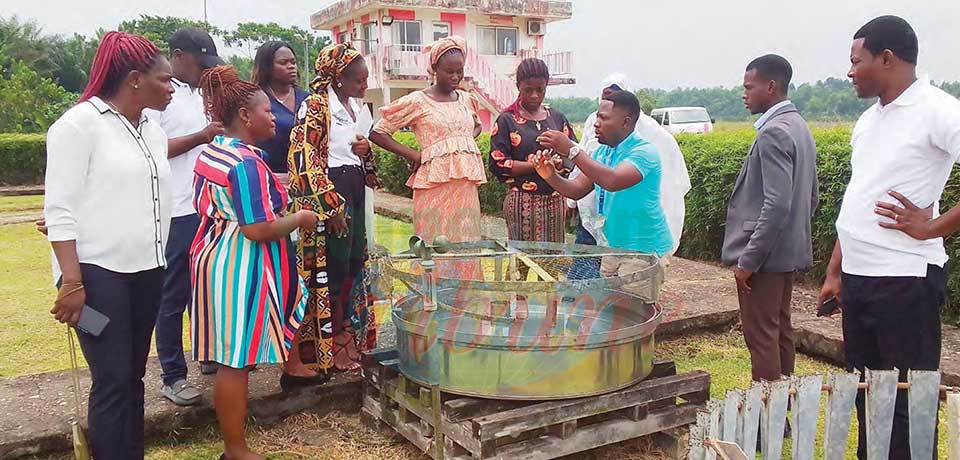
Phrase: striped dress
(248, 300)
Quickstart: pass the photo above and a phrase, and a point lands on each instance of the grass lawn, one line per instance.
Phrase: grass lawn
(21, 203)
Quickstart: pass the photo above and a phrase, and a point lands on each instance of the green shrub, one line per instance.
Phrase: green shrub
(394, 171)
(23, 158)
(714, 162)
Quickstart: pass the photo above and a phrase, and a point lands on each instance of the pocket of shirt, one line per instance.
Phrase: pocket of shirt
(749, 225)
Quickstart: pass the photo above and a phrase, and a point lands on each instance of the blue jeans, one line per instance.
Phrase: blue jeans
(175, 298)
(585, 268)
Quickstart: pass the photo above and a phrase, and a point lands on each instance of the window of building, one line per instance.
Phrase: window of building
(407, 35)
(500, 41)
(369, 44)
(441, 30)
(343, 37)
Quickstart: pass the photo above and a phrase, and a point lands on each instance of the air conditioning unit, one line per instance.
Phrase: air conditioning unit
(536, 27)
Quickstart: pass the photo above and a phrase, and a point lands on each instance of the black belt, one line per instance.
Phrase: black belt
(346, 168)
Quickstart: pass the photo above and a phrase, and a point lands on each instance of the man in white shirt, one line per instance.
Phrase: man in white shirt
(185, 122)
(887, 266)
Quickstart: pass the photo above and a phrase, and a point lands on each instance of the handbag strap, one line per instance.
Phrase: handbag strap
(75, 373)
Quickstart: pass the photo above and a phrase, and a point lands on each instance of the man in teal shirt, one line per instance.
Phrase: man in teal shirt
(626, 172)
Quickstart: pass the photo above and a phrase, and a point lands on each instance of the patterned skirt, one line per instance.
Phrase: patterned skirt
(535, 217)
(453, 210)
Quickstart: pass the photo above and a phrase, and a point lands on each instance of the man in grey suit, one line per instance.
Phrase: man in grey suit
(767, 234)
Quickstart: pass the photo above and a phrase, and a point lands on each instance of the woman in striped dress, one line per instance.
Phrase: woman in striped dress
(248, 300)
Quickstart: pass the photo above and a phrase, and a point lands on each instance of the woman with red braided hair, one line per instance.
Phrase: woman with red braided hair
(107, 208)
(248, 300)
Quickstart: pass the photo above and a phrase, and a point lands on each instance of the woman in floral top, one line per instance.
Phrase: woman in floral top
(534, 211)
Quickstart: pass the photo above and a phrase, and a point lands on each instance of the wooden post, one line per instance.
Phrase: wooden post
(953, 426)
(881, 396)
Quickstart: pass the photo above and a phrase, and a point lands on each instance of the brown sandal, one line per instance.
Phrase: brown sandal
(339, 348)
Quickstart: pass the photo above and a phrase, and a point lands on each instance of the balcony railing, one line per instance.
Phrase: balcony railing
(410, 61)
(559, 63)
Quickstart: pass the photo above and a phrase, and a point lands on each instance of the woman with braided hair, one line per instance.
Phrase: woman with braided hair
(534, 211)
(248, 300)
(330, 162)
(107, 208)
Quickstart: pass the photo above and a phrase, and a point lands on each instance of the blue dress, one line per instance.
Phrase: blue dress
(276, 147)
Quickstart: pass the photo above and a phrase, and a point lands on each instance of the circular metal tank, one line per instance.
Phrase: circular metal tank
(529, 339)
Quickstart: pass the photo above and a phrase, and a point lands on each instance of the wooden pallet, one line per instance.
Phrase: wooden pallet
(448, 426)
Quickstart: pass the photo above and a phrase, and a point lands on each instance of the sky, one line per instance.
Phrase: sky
(657, 44)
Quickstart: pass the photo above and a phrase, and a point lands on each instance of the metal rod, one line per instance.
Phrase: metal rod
(864, 386)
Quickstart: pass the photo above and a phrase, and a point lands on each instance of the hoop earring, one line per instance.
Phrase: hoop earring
(247, 123)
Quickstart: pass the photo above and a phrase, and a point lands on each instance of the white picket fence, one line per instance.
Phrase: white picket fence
(727, 429)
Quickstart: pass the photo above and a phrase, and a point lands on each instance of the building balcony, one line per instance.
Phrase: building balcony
(544, 9)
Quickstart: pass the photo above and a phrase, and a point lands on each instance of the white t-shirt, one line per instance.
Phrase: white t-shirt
(184, 116)
(908, 146)
(108, 188)
(344, 130)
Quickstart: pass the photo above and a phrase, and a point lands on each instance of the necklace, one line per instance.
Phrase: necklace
(284, 99)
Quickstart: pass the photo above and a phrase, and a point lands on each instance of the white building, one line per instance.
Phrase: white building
(391, 34)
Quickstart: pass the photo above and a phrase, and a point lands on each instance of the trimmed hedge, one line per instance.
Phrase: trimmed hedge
(714, 162)
(23, 158)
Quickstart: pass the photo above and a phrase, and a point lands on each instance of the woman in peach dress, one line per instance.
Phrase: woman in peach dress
(448, 168)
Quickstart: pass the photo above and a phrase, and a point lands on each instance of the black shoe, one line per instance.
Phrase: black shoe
(290, 382)
(209, 367)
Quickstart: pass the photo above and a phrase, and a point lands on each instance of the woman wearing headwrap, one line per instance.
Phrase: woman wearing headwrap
(448, 168)
(330, 161)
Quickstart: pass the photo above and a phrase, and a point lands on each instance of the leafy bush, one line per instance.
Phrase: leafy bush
(23, 158)
(30, 102)
(714, 162)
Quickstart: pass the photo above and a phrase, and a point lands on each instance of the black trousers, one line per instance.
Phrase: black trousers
(892, 322)
(345, 255)
(118, 358)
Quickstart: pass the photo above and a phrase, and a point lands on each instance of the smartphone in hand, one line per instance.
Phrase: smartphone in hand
(829, 307)
(92, 322)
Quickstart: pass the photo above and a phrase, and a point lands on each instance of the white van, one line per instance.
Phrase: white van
(678, 120)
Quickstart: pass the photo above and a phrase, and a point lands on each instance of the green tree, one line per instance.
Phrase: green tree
(73, 57)
(24, 42)
(31, 103)
(159, 29)
(250, 35)
(243, 64)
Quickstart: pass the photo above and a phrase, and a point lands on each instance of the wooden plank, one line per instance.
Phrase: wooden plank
(953, 426)
(515, 421)
(461, 409)
(775, 418)
(437, 410)
(881, 396)
(840, 403)
(728, 420)
(924, 399)
(714, 410)
(805, 410)
(749, 422)
(597, 435)
(460, 432)
(535, 267)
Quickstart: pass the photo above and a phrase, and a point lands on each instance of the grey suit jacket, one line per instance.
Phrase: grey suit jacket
(768, 216)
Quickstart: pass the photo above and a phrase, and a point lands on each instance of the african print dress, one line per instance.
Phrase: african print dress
(248, 301)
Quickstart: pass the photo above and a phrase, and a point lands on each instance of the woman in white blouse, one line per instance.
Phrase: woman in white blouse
(107, 209)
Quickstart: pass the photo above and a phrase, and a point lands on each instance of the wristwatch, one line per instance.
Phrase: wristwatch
(574, 151)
